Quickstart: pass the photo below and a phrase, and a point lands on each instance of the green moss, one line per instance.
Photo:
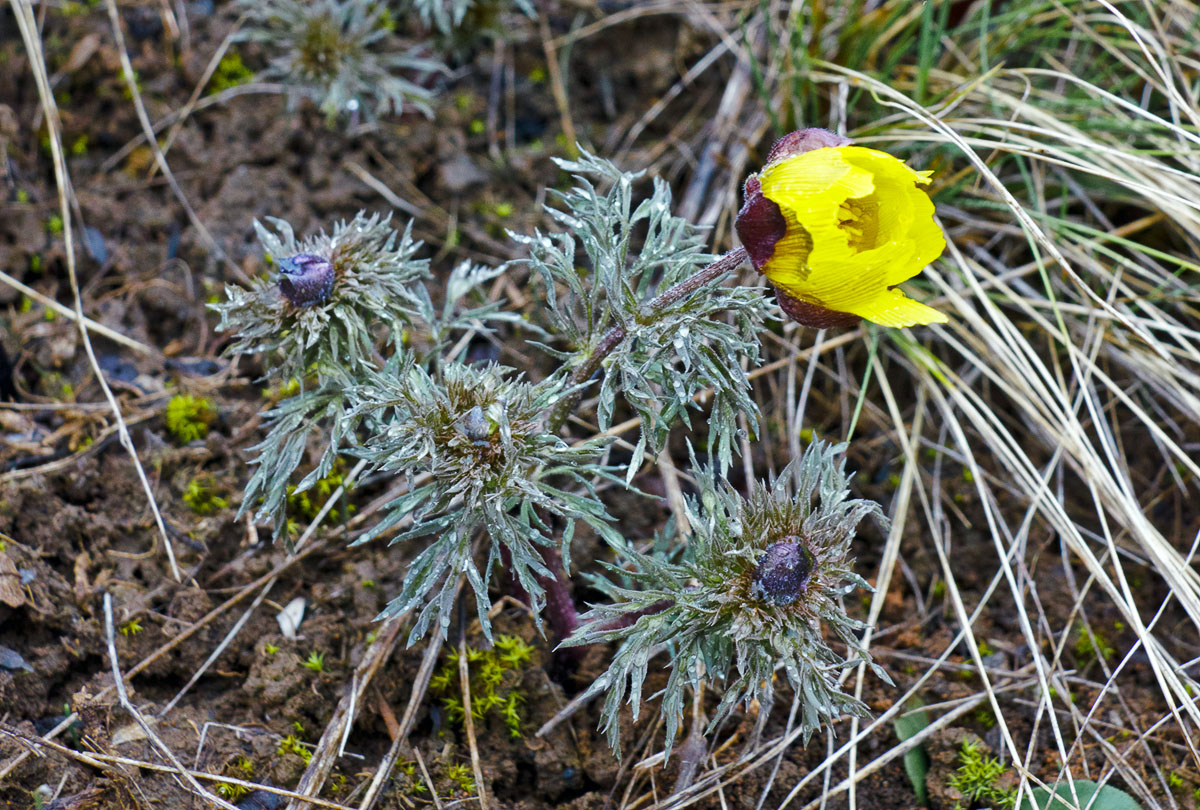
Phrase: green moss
(985, 718)
(189, 417)
(284, 390)
(1091, 644)
(131, 628)
(54, 225)
(309, 502)
(409, 769)
(493, 675)
(976, 777)
(337, 783)
(230, 72)
(231, 792)
(202, 498)
(460, 776)
(292, 745)
(315, 661)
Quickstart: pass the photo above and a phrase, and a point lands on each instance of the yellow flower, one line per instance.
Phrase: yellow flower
(835, 227)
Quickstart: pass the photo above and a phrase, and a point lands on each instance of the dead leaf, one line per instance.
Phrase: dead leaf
(83, 51)
(11, 593)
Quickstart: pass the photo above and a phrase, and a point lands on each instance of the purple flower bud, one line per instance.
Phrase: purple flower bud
(760, 224)
(812, 315)
(783, 573)
(804, 140)
(305, 279)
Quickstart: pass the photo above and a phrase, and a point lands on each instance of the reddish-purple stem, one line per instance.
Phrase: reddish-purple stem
(561, 612)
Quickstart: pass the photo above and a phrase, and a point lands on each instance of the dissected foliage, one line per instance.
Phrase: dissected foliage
(473, 443)
(667, 353)
(490, 483)
(448, 15)
(326, 346)
(709, 610)
(342, 54)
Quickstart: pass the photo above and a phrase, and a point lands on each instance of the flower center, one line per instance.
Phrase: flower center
(859, 218)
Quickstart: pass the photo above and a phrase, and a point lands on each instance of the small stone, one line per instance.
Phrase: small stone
(11, 659)
(783, 573)
(460, 173)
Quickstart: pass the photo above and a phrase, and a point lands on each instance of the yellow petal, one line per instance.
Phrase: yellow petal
(893, 308)
(820, 177)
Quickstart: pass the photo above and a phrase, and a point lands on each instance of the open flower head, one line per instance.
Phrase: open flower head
(835, 228)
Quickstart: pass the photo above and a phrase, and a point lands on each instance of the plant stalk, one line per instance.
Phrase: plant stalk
(613, 337)
(561, 612)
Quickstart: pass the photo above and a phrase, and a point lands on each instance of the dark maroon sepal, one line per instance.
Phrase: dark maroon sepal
(783, 573)
(305, 279)
(812, 315)
(759, 224)
(804, 140)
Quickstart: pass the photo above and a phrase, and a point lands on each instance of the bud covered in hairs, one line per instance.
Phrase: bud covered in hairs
(305, 279)
(783, 572)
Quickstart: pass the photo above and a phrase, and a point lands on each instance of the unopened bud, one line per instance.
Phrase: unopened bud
(783, 573)
(305, 279)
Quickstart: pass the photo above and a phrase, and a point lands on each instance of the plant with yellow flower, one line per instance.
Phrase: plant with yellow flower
(636, 312)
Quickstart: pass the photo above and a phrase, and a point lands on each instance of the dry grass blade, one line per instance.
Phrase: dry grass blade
(105, 762)
(119, 682)
(332, 742)
(464, 682)
(148, 129)
(88, 323)
(312, 527)
(29, 33)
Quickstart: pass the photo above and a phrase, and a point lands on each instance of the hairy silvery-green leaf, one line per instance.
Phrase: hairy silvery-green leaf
(293, 422)
(330, 338)
(448, 15)
(711, 611)
(668, 352)
(457, 315)
(342, 54)
(374, 270)
(481, 465)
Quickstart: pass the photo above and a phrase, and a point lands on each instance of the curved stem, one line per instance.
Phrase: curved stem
(613, 337)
